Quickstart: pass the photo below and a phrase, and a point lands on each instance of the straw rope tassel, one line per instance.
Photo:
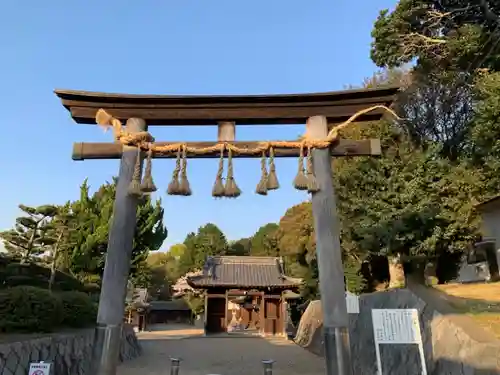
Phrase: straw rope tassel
(135, 185)
(218, 189)
(148, 186)
(262, 185)
(173, 186)
(300, 181)
(231, 189)
(272, 179)
(312, 185)
(184, 187)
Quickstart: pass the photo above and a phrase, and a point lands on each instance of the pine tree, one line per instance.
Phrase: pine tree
(28, 238)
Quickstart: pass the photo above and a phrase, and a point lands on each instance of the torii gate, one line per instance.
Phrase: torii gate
(320, 143)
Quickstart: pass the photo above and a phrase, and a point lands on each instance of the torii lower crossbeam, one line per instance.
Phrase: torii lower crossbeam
(344, 147)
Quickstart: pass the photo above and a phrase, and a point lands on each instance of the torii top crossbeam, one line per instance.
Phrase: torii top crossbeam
(227, 111)
(337, 106)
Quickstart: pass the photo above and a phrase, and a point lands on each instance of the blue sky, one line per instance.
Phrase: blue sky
(166, 47)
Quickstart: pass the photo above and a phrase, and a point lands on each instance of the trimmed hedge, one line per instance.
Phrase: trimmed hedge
(13, 273)
(29, 309)
(79, 309)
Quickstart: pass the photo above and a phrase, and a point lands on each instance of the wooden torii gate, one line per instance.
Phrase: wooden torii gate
(320, 143)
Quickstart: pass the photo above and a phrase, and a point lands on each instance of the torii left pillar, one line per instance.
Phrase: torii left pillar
(117, 267)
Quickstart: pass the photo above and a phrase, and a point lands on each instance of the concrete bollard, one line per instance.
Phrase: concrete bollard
(268, 366)
(175, 364)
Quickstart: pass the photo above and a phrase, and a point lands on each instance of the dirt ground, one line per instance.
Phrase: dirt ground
(219, 355)
(481, 301)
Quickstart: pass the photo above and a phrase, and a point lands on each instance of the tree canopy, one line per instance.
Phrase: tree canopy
(440, 35)
(208, 240)
(264, 241)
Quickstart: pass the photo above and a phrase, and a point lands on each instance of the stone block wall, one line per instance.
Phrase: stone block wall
(450, 349)
(69, 353)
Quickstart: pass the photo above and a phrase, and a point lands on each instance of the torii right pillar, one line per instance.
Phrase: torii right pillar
(329, 256)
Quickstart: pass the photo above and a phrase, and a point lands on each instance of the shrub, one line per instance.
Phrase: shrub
(29, 309)
(79, 309)
(13, 273)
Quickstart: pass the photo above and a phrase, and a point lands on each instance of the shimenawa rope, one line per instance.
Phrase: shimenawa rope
(304, 180)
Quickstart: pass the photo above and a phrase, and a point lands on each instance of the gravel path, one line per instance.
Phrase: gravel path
(220, 355)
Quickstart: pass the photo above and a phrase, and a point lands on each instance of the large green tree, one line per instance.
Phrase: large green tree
(450, 110)
(297, 243)
(450, 43)
(409, 203)
(86, 248)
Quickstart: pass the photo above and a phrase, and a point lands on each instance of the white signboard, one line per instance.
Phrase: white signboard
(39, 369)
(352, 302)
(397, 326)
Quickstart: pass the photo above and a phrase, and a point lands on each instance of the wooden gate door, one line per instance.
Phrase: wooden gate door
(216, 315)
(272, 317)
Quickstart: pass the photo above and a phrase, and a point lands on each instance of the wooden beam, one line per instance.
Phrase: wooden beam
(209, 110)
(344, 147)
(329, 256)
(242, 116)
(226, 131)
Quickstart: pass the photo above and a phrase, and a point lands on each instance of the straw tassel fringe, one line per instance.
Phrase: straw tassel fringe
(174, 185)
(218, 188)
(300, 181)
(134, 188)
(262, 185)
(184, 186)
(231, 189)
(148, 185)
(272, 178)
(312, 184)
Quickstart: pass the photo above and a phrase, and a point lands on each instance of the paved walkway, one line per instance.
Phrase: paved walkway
(219, 355)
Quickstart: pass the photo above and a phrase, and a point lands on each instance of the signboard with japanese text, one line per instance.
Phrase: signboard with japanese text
(397, 326)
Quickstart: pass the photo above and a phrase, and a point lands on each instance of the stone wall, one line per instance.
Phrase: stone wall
(450, 347)
(69, 353)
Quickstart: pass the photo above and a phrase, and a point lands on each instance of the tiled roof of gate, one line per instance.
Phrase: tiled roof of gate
(242, 271)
